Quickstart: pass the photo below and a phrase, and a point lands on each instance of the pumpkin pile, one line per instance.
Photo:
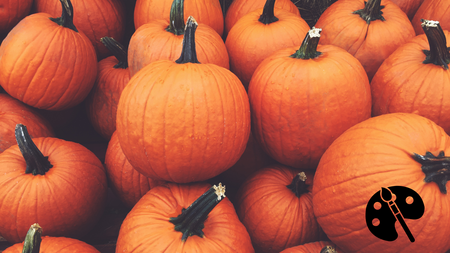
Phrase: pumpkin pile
(260, 126)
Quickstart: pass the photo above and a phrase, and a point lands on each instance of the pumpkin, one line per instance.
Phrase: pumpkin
(409, 7)
(35, 243)
(275, 205)
(95, 18)
(13, 112)
(184, 218)
(11, 12)
(407, 79)
(438, 10)
(183, 121)
(239, 8)
(313, 247)
(125, 181)
(369, 30)
(296, 111)
(207, 12)
(260, 33)
(113, 75)
(31, 69)
(58, 184)
(162, 40)
(396, 149)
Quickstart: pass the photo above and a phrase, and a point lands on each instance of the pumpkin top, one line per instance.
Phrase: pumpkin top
(308, 49)
(372, 11)
(438, 53)
(66, 18)
(268, 15)
(32, 243)
(188, 53)
(176, 24)
(118, 51)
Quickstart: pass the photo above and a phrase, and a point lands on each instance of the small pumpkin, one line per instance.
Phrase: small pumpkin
(275, 205)
(31, 69)
(396, 149)
(58, 184)
(183, 121)
(35, 243)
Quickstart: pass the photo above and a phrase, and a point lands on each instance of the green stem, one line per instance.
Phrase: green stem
(439, 52)
(32, 243)
(66, 18)
(118, 51)
(298, 185)
(191, 220)
(372, 11)
(436, 168)
(188, 53)
(308, 49)
(268, 15)
(36, 162)
(176, 25)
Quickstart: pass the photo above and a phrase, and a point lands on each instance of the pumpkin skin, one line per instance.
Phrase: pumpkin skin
(13, 112)
(276, 217)
(207, 12)
(239, 8)
(299, 92)
(438, 10)
(250, 41)
(125, 181)
(95, 18)
(409, 7)
(51, 244)
(373, 154)
(30, 66)
(11, 12)
(147, 225)
(67, 201)
(404, 84)
(183, 122)
(369, 43)
(312, 247)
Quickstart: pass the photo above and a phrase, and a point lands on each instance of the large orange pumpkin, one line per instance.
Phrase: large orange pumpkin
(416, 78)
(183, 121)
(369, 30)
(297, 111)
(58, 184)
(396, 149)
(184, 218)
(46, 62)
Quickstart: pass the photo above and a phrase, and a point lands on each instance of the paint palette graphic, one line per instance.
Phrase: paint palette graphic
(392, 204)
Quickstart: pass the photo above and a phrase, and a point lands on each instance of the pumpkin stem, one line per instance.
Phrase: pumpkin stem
(32, 243)
(188, 53)
(308, 49)
(36, 162)
(66, 18)
(268, 15)
(191, 220)
(118, 51)
(372, 11)
(176, 25)
(328, 249)
(439, 52)
(298, 185)
(436, 168)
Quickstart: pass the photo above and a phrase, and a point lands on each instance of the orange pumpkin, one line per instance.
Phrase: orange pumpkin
(162, 40)
(207, 12)
(275, 205)
(396, 149)
(13, 112)
(184, 218)
(260, 33)
(34, 243)
(369, 30)
(58, 184)
(11, 12)
(113, 75)
(31, 69)
(183, 121)
(409, 7)
(125, 181)
(438, 10)
(407, 80)
(296, 111)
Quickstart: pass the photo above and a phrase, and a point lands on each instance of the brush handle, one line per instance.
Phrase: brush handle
(398, 215)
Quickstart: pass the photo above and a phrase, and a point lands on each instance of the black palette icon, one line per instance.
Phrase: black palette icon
(391, 204)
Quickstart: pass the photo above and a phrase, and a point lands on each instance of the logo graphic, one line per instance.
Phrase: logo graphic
(391, 204)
